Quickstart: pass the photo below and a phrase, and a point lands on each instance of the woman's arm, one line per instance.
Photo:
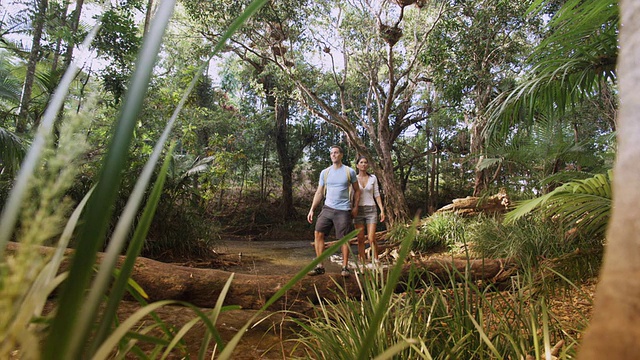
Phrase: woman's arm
(376, 192)
(379, 202)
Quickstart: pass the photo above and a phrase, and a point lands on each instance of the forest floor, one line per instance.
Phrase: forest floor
(270, 339)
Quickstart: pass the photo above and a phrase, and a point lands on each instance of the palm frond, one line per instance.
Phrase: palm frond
(584, 204)
(578, 56)
(12, 151)
(10, 85)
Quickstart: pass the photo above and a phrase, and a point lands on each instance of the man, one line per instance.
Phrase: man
(337, 211)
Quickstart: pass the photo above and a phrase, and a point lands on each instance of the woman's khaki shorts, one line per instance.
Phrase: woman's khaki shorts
(366, 215)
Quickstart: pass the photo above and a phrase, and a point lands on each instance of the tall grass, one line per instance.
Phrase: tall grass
(425, 321)
(466, 319)
(352, 331)
(77, 328)
(535, 242)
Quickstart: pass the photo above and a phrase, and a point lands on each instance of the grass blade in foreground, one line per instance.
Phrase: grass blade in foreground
(119, 287)
(11, 208)
(394, 277)
(99, 208)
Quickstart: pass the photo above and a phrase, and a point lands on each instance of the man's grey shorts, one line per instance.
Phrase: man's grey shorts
(328, 218)
(366, 215)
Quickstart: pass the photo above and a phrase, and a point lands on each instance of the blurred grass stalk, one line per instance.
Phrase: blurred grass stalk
(25, 284)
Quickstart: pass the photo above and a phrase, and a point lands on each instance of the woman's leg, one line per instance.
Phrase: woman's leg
(361, 253)
(371, 232)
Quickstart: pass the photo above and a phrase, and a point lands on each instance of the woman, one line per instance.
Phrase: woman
(367, 213)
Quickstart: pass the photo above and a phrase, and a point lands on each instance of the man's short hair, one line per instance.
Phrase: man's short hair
(337, 147)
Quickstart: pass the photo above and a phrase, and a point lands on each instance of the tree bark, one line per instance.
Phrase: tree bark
(287, 163)
(201, 287)
(147, 16)
(614, 331)
(34, 55)
(288, 154)
(75, 24)
(473, 206)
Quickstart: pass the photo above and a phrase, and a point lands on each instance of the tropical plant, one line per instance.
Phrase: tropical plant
(574, 63)
(12, 146)
(576, 60)
(581, 204)
(12, 151)
(76, 327)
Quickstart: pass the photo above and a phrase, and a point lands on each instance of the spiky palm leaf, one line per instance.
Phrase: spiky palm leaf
(569, 65)
(9, 85)
(532, 155)
(12, 151)
(583, 204)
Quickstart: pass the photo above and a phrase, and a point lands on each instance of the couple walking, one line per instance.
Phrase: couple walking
(336, 185)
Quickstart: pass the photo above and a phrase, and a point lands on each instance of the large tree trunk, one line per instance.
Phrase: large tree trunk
(614, 332)
(288, 152)
(395, 203)
(201, 287)
(287, 162)
(75, 25)
(474, 206)
(478, 147)
(34, 55)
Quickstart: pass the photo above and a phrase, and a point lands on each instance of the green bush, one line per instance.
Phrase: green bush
(439, 232)
(534, 241)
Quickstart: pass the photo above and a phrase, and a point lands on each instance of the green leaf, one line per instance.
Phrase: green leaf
(584, 204)
(99, 208)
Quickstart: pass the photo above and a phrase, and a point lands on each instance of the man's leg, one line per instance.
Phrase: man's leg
(322, 224)
(342, 223)
(345, 255)
(318, 243)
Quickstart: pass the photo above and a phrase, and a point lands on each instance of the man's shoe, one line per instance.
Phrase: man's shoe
(316, 271)
(345, 272)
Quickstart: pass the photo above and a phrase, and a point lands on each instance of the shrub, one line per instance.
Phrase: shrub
(439, 232)
(533, 241)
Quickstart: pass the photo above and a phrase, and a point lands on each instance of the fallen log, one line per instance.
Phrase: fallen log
(201, 287)
(474, 206)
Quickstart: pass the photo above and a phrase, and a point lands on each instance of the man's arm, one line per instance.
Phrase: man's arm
(317, 198)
